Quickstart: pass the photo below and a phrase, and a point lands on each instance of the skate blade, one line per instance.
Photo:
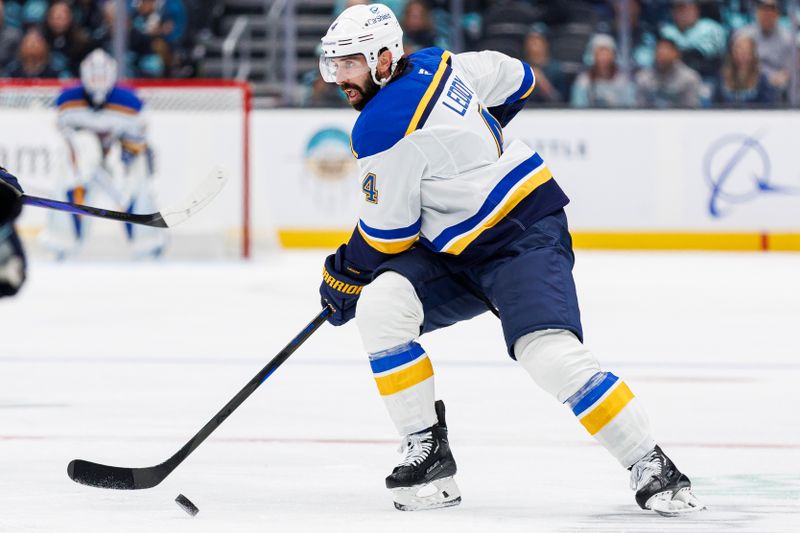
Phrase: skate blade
(434, 495)
(682, 502)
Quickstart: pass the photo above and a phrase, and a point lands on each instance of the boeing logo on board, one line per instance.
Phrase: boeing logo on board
(737, 169)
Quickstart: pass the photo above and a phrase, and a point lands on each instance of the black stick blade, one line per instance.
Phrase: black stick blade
(113, 477)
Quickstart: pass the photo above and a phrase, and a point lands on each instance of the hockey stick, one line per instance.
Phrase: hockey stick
(168, 218)
(115, 477)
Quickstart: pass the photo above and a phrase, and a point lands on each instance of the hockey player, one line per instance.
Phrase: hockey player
(102, 127)
(456, 221)
(12, 255)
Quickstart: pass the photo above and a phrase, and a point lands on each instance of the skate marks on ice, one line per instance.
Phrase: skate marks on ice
(32, 405)
(765, 502)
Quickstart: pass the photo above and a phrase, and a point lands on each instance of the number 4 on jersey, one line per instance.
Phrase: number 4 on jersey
(370, 188)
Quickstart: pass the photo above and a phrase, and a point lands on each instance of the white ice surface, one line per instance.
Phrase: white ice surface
(122, 363)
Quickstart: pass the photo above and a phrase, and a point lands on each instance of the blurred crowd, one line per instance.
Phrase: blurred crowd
(49, 38)
(682, 53)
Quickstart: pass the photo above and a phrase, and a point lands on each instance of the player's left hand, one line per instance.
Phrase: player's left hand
(341, 286)
(10, 197)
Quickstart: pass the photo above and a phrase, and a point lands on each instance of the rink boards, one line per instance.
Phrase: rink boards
(708, 180)
(637, 179)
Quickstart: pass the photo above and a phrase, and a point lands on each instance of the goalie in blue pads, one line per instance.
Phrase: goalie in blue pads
(107, 155)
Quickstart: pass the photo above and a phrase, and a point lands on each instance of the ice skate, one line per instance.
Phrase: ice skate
(424, 478)
(661, 487)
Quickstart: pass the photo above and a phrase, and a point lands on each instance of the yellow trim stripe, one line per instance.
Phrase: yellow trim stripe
(423, 103)
(529, 91)
(135, 147)
(681, 241)
(70, 104)
(351, 147)
(405, 378)
(531, 183)
(784, 242)
(121, 109)
(302, 238)
(496, 141)
(586, 240)
(388, 247)
(601, 415)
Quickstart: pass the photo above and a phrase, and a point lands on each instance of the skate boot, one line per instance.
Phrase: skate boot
(661, 487)
(424, 478)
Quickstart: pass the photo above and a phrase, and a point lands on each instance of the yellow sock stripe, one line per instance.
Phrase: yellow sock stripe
(405, 378)
(601, 415)
(134, 147)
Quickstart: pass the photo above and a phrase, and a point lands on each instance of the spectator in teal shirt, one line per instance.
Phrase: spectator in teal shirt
(700, 40)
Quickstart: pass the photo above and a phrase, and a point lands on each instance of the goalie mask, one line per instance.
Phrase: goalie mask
(365, 30)
(98, 75)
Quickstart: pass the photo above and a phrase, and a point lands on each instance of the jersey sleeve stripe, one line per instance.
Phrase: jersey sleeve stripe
(121, 108)
(431, 95)
(387, 247)
(392, 234)
(72, 104)
(526, 87)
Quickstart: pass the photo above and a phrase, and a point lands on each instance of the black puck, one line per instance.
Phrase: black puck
(187, 505)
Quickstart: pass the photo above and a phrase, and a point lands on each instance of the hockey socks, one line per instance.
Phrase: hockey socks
(609, 411)
(560, 364)
(404, 376)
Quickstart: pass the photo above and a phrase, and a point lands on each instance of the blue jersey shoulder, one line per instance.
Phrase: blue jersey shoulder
(392, 113)
(70, 94)
(125, 97)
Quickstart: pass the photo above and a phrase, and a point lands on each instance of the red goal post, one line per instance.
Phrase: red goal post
(193, 125)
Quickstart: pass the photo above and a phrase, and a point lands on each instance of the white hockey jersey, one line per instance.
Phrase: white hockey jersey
(434, 166)
(117, 119)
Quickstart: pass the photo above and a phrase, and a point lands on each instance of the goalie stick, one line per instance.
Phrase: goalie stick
(116, 477)
(167, 218)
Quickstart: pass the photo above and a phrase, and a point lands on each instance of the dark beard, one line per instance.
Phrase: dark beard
(367, 93)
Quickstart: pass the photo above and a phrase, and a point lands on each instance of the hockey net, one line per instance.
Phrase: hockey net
(192, 127)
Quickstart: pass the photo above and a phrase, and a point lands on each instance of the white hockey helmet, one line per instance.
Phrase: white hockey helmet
(98, 75)
(361, 29)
